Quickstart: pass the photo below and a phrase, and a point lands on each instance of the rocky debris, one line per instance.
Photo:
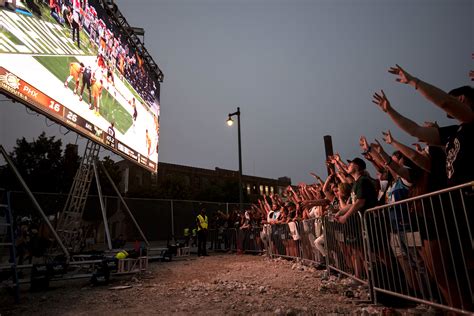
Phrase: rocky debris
(221, 284)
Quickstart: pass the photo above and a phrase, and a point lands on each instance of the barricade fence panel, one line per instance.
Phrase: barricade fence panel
(311, 236)
(422, 248)
(250, 240)
(284, 240)
(344, 245)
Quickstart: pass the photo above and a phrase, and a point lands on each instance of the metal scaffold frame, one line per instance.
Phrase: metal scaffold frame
(70, 268)
(70, 220)
(33, 199)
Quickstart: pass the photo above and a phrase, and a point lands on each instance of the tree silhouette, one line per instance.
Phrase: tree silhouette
(39, 163)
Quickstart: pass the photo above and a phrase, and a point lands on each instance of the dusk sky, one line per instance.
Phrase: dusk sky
(297, 69)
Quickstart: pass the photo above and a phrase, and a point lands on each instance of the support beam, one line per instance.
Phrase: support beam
(33, 199)
(102, 205)
(124, 204)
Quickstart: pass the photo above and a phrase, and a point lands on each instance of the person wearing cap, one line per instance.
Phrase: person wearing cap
(363, 195)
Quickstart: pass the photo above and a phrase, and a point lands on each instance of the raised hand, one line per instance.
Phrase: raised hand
(363, 143)
(403, 76)
(315, 175)
(381, 100)
(418, 147)
(337, 157)
(387, 137)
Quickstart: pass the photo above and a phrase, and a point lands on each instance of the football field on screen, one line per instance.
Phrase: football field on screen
(109, 109)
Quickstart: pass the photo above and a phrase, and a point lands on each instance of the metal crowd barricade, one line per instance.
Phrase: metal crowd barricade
(251, 240)
(345, 247)
(222, 239)
(230, 239)
(310, 230)
(283, 241)
(422, 249)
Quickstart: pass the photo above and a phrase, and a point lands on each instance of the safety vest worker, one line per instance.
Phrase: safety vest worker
(194, 232)
(122, 254)
(186, 232)
(202, 221)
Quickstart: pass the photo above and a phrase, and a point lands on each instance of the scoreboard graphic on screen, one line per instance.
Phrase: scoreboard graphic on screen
(68, 61)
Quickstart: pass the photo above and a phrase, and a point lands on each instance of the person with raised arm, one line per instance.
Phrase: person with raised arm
(458, 104)
(363, 195)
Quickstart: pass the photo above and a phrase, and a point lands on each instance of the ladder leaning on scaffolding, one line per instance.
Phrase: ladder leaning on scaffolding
(70, 221)
(69, 225)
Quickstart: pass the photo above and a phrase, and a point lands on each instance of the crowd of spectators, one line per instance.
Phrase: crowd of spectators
(112, 45)
(440, 158)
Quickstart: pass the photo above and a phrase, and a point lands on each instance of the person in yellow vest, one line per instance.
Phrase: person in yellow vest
(202, 224)
(122, 254)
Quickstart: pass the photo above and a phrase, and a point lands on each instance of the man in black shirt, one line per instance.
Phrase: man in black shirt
(363, 195)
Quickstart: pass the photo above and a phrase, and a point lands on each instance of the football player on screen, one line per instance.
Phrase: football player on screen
(86, 82)
(135, 113)
(148, 143)
(96, 94)
(75, 70)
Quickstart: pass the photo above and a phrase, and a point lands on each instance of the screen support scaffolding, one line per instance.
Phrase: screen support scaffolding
(32, 198)
(121, 199)
(70, 220)
(70, 223)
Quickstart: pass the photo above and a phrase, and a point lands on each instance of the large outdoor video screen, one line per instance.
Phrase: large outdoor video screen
(65, 59)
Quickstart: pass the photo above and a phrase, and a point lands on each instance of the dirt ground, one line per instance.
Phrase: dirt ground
(215, 285)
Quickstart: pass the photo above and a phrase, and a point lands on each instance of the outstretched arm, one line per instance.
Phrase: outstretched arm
(422, 161)
(395, 167)
(370, 154)
(426, 134)
(448, 103)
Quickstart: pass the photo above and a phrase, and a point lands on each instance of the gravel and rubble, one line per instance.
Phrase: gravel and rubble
(216, 285)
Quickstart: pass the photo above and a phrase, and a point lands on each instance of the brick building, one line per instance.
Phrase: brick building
(196, 178)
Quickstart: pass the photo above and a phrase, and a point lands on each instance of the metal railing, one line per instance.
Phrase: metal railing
(422, 249)
(345, 247)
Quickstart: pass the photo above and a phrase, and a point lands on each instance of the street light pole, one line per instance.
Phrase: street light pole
(230, 122)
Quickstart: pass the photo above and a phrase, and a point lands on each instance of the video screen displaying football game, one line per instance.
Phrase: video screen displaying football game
(67, 60)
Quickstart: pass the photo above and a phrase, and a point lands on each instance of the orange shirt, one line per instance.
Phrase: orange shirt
(75, 70)
(96, 89)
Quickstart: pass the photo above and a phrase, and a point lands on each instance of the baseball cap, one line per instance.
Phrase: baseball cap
(359, 162)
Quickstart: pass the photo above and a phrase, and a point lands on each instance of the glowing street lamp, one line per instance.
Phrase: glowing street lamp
(230, 122)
